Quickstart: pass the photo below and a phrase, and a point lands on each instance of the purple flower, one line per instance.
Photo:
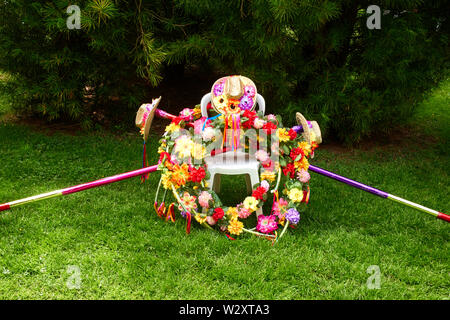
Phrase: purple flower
(292, 216)
(218, 89)
(250, 91)
(246, 103)
(183, 214)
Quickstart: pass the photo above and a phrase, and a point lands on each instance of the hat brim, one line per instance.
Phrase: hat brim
(245, 81)
(149, 120)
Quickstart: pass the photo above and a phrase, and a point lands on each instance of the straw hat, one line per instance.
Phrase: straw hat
(232, 94)
(144, 116)
(309, 134)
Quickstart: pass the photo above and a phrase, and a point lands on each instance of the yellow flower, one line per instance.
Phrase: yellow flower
(233, 213)
(302, 164)
(172, 127)
(183, 146)
(167, 181)
(268, 175)
(197, 111)
(198, 151)
(295, 195)
(305, 147)
(200, 218)
(283, 135)
(235, 227)
(250, 203)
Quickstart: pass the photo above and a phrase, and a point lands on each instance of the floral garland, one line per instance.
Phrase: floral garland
(184, 173)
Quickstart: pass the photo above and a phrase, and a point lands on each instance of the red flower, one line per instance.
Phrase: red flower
(161, 156)
(218, 214)
(196, 175)
(292, 134)
(268, 164)
(248, 124)
(249, 114)
(258, 193)
(289, 170)
(295, 152)
(269, 127)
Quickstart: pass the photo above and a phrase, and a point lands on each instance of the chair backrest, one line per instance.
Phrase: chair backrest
(207, 98)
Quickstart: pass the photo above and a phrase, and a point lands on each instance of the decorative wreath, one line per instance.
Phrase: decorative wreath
(190, 138)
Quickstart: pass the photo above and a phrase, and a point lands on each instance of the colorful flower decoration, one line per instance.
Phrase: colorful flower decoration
(283, 170)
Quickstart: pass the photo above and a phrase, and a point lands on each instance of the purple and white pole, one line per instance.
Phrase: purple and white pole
(379, 193)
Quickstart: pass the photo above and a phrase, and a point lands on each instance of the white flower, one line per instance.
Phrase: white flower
(208, 133)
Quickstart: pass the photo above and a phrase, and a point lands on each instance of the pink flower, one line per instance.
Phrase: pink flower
(303, 176)
(265, 185)
(259, 123)
(261, 156)
(278, 207)
(210, 220)
(203, 199)
(266, 224)
(271, 117)
(198, 125)
(243, 213)
(187, 114)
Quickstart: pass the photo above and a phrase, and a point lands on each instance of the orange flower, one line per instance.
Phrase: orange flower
(180, 174)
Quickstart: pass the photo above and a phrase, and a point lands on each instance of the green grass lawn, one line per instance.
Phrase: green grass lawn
(124, 251)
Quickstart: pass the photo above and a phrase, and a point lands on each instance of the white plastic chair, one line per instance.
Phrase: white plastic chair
(232, 162)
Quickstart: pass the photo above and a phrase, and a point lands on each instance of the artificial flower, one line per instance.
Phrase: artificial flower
(204, 198)
(265, 185)
(279, 207)
(305, 147)
(303, 176)
(180, 174)
(295, 152)
(208, 134)
(183, 146)
(289, 169)
(187, 114)
(188, 202)
(246, 103)
(262, 156)
(266, 224)
(258, 123)
(197, 175)
(283, 135)
(268, 127)
(166, 180)
(250, 203)
(258, 193)
(218, 88)
(218, 214)
(200, 218)
(295, 195)
(235, 227)
(210, 220)
(198, 151)
(172, 127)
(243, 213)
(250, 90)
(292, 134)
(220, 102)
(268, 175)
(302, 164)
(232, 213)
(292, 216)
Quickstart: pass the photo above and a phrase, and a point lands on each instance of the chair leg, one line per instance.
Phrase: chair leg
(216, 183)
(248, 183)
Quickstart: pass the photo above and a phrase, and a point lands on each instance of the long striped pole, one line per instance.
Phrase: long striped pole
(379, 193)
(78, 188)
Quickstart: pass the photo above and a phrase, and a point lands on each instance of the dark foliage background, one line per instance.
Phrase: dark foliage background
(317, 57)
